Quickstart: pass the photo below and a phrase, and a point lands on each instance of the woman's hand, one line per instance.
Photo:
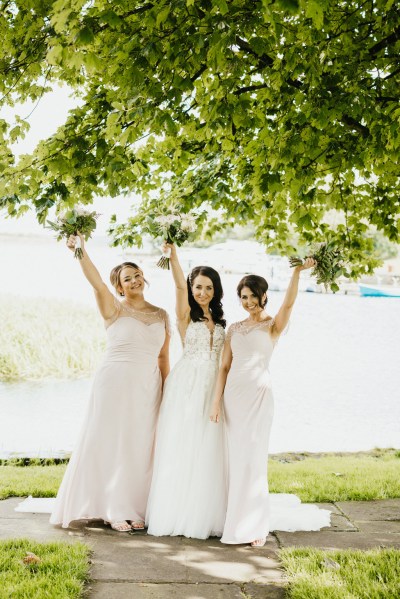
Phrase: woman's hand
(215, 414)
(169, 247)
(72, 241)
(308, 263)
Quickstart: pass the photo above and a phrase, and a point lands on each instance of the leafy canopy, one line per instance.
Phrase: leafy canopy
(281, 112)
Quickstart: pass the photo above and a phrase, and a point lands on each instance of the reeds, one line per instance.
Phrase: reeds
(43, 338)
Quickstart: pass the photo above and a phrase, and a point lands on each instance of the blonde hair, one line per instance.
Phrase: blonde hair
(115, 274)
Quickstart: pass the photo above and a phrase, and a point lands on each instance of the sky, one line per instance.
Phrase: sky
(45, 117)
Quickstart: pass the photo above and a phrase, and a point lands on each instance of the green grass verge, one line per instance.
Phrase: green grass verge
(375, 475)
(338, 478)
(48, 338)
(348, 574)
(38, 481)
(61, 573)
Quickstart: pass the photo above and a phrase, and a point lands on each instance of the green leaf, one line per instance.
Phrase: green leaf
(54, 55)
(85, 36)
(163, 15)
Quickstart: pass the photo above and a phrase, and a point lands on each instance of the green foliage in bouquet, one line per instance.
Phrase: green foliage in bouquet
(71, 221)
(161, 221)
(329, 267)
(171, 226)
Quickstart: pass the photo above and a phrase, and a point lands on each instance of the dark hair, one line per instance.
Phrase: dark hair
(116, 273)
(258, 285)
(216, 309)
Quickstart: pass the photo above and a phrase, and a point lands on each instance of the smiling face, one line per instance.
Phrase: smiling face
(203, 290)
(250, 301)
(131, 281)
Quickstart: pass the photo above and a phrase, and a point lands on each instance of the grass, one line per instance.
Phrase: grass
(38, 481)
(348, 574)
(364, 476)
(47, 338)
(367, 476)
(60, 574)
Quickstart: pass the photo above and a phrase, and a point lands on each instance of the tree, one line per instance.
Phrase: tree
(275, 112)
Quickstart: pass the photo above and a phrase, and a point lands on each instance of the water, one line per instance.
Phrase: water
(336, 372)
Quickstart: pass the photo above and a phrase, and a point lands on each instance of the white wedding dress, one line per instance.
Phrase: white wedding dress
(189, 487)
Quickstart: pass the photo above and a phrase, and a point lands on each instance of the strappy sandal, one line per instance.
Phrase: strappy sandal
(137, 524)
(122, 526)
(258, 542)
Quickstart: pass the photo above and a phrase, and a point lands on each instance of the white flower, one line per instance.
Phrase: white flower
(188, 223)
(166, 220)
(161, 220)
(62, 216)
(81, 211)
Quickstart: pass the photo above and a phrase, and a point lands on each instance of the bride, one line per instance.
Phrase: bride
(188, 490)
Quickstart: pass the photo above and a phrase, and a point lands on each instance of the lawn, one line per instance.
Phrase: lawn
(57, 571)
(326, 478)
(363, 476)
(347, 574)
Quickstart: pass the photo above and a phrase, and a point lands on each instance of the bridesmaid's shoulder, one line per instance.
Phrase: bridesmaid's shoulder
(153, 308)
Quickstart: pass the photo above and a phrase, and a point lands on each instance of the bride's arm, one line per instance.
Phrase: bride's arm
(226, 362)
(182, 307)
(104, 297)
(282, 318)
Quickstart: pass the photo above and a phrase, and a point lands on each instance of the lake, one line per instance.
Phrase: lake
(336, 372)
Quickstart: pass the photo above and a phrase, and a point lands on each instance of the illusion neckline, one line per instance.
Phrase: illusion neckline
(130, 309)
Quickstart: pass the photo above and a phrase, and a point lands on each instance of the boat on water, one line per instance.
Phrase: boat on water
(368, 290)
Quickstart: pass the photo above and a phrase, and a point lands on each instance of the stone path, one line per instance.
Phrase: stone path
(144, 567)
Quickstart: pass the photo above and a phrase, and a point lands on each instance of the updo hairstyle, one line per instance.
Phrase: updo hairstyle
(116, 273)
(258, 286)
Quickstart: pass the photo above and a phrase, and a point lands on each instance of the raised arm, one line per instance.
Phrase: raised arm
(225, 367)
(182, 307)
(104, 297)
(282, 318)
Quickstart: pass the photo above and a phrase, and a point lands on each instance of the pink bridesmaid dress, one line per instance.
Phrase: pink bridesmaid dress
(109, 474)
(249, 408)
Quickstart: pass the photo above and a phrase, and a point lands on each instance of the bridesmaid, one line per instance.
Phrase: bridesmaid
(109, 474)
(244, 382)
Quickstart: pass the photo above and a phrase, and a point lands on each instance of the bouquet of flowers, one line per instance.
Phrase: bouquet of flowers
(173, 227)
(329, 265)
(69, 222)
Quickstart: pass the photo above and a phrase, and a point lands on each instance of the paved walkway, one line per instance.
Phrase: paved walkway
(138, 566)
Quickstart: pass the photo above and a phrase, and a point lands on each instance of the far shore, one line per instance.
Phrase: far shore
(288, 457)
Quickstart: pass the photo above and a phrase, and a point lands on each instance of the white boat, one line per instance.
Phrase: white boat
(378, 290)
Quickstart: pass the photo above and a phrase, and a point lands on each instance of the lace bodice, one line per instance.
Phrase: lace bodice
(245, 327)
(252, 345)
(147, 317)
(201, 343)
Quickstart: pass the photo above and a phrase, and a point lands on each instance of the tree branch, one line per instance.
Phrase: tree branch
(198, 73)
(250, 88)
(387, 41)
(348, 120)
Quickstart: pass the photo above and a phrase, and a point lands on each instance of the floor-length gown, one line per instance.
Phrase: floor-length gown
(109, 474)
(249, 408)
(188, 491)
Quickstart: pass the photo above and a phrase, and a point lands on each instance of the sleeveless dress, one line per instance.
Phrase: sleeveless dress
(188, 490)
(109, 474)
(249, 408)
